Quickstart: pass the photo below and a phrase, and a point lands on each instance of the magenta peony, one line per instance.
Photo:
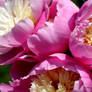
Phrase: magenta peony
(81, 37)
(58, 73)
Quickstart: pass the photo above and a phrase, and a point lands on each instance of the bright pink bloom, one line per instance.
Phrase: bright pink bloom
(54, 35)
(59, 72)
(17, 21)
(81, 37)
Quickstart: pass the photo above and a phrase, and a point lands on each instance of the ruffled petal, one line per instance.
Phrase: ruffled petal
(13, 38)
(53, 37)
(47, 41)
(85, 11)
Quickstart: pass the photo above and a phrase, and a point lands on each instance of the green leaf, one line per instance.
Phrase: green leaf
(4, 74)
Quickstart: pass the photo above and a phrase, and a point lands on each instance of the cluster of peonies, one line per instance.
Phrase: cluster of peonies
(34, 37)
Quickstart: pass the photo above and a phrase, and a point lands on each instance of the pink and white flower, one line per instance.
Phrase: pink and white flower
(17, 21)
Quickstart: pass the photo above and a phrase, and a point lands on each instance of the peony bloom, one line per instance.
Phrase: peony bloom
(58, 73)
(54, 35)
(17, 21)
(81, 37)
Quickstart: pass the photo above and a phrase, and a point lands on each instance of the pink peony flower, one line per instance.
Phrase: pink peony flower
(81, 37)
(58, 73)
(17, 21)
(54, 35)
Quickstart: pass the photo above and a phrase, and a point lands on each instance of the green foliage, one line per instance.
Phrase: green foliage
(4, 74)
(79, 3)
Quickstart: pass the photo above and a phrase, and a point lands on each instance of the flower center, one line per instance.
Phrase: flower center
(58, 80)
(12, 13)
(88, 33)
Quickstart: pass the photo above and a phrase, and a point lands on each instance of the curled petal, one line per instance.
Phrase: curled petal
(4, 49)
(11, 56)
(67, 18)
(9, 42)
(13, 38)
(85, 11)
(54, 35)
(47, 41)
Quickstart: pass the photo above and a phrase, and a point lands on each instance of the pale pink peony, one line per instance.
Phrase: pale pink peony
(18, 18)
(81, 38)
(58, 73)
(54, 35)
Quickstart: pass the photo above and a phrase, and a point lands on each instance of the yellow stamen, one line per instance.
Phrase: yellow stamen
(88, 35)
(58, 80)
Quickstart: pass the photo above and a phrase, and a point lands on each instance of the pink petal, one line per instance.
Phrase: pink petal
(54, 36)
(66, 16)
(53, 9)
(11, 56)
(37, 7)
(47, 41)
(18, 35)
(4, 49)
(13, 38)
(85, 11)
(41, 22)
(6, 88)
